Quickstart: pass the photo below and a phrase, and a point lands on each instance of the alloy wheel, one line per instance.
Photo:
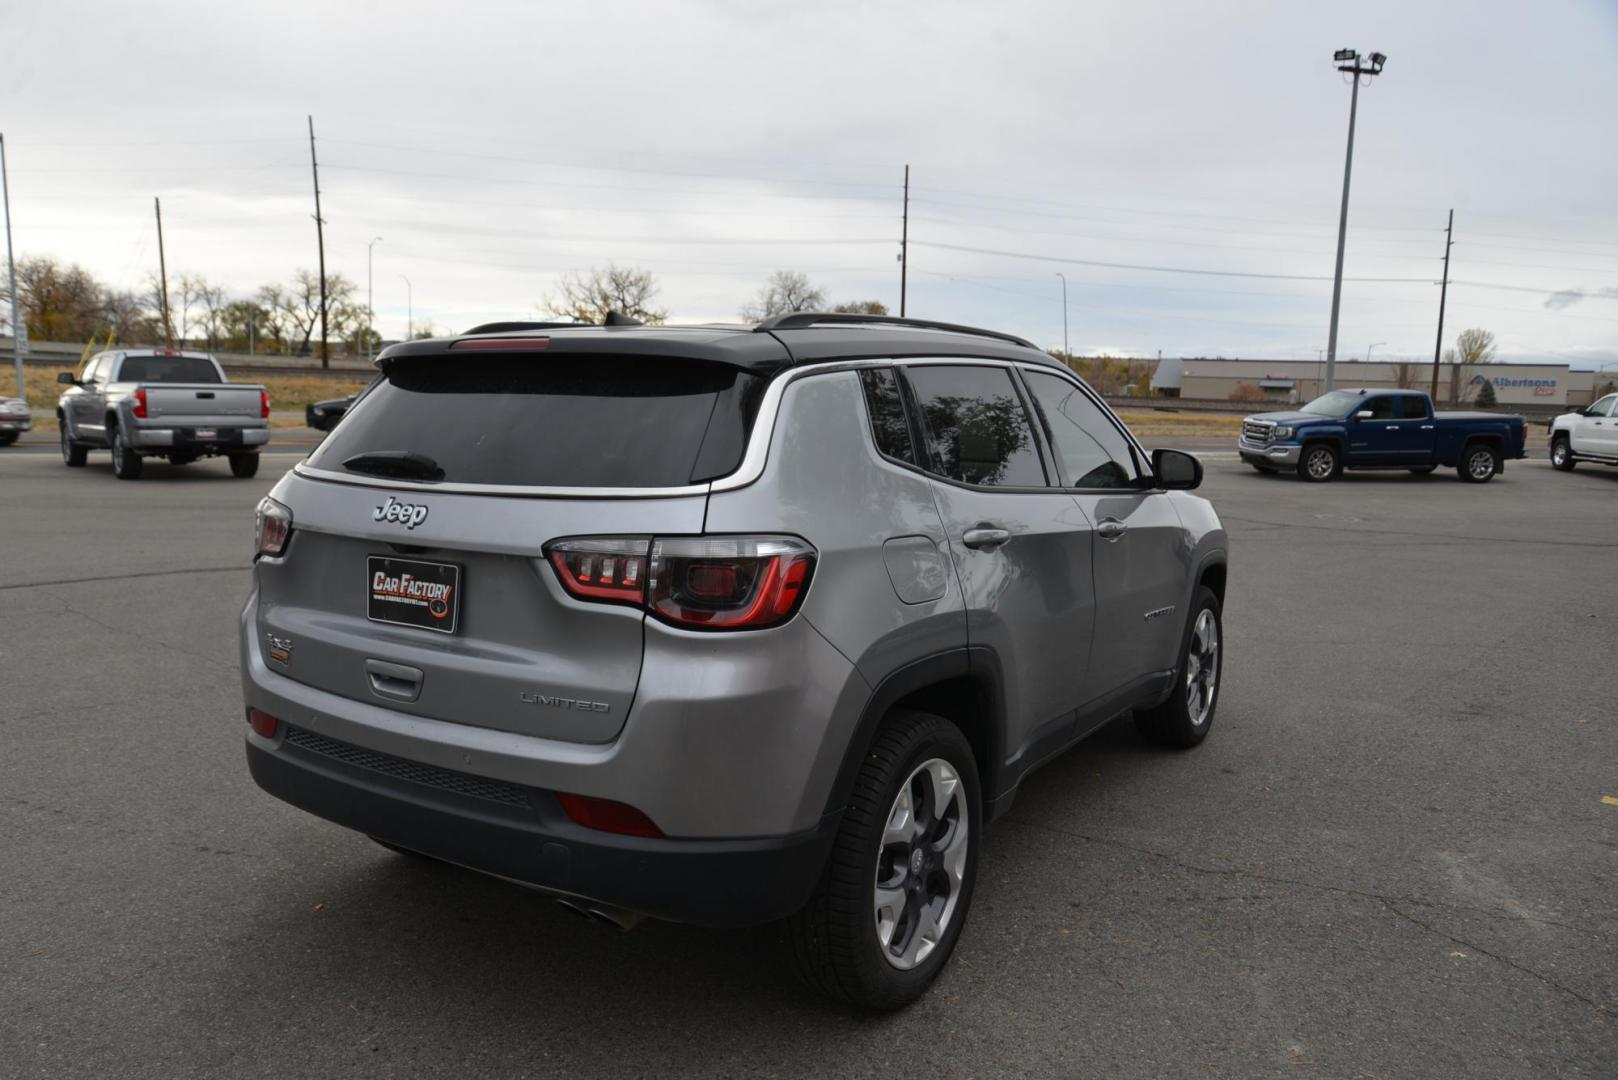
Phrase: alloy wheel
(1320, 464)
(1480, 464)
(921, 866)
(1202, 668)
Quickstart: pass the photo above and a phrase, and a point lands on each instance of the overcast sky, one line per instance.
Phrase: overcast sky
(494, 146)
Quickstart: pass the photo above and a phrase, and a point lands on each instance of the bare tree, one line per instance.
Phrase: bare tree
(786, 291)
(1475, 346)
(861, 307)
(587, 297)
(296, 307)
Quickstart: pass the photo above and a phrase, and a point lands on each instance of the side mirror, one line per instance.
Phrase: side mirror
(1363, 414)
(1176, 470)
(66, 378)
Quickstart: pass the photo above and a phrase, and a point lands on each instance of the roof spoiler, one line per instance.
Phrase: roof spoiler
(803, 320)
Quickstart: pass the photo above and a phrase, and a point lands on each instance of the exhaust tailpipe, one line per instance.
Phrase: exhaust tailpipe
(616, 917)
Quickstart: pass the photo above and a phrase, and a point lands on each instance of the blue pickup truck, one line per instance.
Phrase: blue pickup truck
(1380, 429)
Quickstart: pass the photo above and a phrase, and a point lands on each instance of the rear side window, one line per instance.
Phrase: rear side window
(1415, 408)
(554, 420)
(889, 426)
(1093, 453)
(161, 369)
(976, 428)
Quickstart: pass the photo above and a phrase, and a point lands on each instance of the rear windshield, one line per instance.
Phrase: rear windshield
(159, 369)
(553, 420)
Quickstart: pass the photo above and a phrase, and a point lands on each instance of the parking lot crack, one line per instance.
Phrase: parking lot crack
(1344, 890)
(1604, 1010)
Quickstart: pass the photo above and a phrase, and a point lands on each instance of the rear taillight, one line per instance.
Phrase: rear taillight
(272, 526)
(140, 403)
(707, 583)
(264, 404)
(607, 815)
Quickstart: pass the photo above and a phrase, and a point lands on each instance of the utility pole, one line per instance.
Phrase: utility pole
(320, 236)
(1348, 60)
(904, 246)
(19, 332)
(370, 312)
(163, 278)
(1443, 292)
(1067, 357)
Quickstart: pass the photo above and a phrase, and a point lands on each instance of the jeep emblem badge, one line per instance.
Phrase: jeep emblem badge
(406, 514)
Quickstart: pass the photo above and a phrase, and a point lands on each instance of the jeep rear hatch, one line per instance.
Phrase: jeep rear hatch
(435, 597)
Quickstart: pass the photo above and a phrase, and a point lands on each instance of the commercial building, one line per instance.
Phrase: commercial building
(1292, 381)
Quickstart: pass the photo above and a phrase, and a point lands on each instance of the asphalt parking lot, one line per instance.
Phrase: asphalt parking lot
(1392, 858)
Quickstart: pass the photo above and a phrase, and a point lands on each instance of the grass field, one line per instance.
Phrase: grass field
(1152, 423)
(286, 391)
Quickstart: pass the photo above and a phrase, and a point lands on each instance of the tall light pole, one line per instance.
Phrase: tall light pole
(410, 309)
(1371, 346)
(1067, 357)
(1348, 60)
(370, 312)
(19, 332)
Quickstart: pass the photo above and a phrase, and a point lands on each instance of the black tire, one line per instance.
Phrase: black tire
(1562, 459)
(1172, 723)
(1479, 463)
(1319, 463)
(244, 465)
(74, 454)
(126, 464)
(834, 939)
(7, 438)
(1422, 470)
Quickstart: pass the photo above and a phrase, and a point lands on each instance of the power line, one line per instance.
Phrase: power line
(1156, 269)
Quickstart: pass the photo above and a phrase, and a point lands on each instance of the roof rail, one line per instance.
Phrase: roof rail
(512, 327)
(800, 320)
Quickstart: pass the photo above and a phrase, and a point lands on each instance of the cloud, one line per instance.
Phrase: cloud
(1566, 298)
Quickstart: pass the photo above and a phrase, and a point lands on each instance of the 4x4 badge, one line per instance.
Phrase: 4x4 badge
(407, 514)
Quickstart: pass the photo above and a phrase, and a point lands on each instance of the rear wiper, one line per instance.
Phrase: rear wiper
(400, 464)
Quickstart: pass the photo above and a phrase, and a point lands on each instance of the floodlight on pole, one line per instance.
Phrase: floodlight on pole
(370, 311)
(1350, 62)
(410, 310)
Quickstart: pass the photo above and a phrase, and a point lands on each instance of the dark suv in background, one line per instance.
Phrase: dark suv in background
(724, 625)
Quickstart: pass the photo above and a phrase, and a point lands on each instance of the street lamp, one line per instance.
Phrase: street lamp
(1350, 61)
(1368, 349)
(410, 310)
(1067, 357)
(370, 311)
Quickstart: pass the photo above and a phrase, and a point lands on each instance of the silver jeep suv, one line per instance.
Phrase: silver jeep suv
(724, 625)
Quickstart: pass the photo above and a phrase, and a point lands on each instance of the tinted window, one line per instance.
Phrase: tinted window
(1415, 408)
(1380, 408)
(889, 426)
(1092, 452)
(1604, 406)
(551, 421)
(975, 425)
(160, 369)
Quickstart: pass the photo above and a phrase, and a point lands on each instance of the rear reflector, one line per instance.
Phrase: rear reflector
(607, 815)
(521, 344)
(263, 723)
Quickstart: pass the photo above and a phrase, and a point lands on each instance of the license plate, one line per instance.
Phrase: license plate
(405, 592)
(205, 433)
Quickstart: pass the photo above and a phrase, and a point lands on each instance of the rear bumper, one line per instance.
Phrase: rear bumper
(226, 439)
(522, 834)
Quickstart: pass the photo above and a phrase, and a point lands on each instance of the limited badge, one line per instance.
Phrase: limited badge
(280, 649)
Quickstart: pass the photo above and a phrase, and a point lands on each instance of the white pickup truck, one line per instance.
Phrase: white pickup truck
(1587, 434)
(142, 403)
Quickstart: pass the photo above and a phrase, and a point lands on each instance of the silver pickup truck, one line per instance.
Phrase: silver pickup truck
(142, 403)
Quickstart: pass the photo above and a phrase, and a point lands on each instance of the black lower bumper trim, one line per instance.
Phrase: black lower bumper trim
(721, 883)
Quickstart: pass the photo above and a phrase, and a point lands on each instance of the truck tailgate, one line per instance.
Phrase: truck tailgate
(216, 403)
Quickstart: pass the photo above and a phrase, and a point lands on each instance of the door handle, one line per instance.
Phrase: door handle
(1392, 427)
(1427, 427)
(1111, 529)
(985, 537)
(394, 681)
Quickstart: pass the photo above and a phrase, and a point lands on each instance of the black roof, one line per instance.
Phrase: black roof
(769, 347)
